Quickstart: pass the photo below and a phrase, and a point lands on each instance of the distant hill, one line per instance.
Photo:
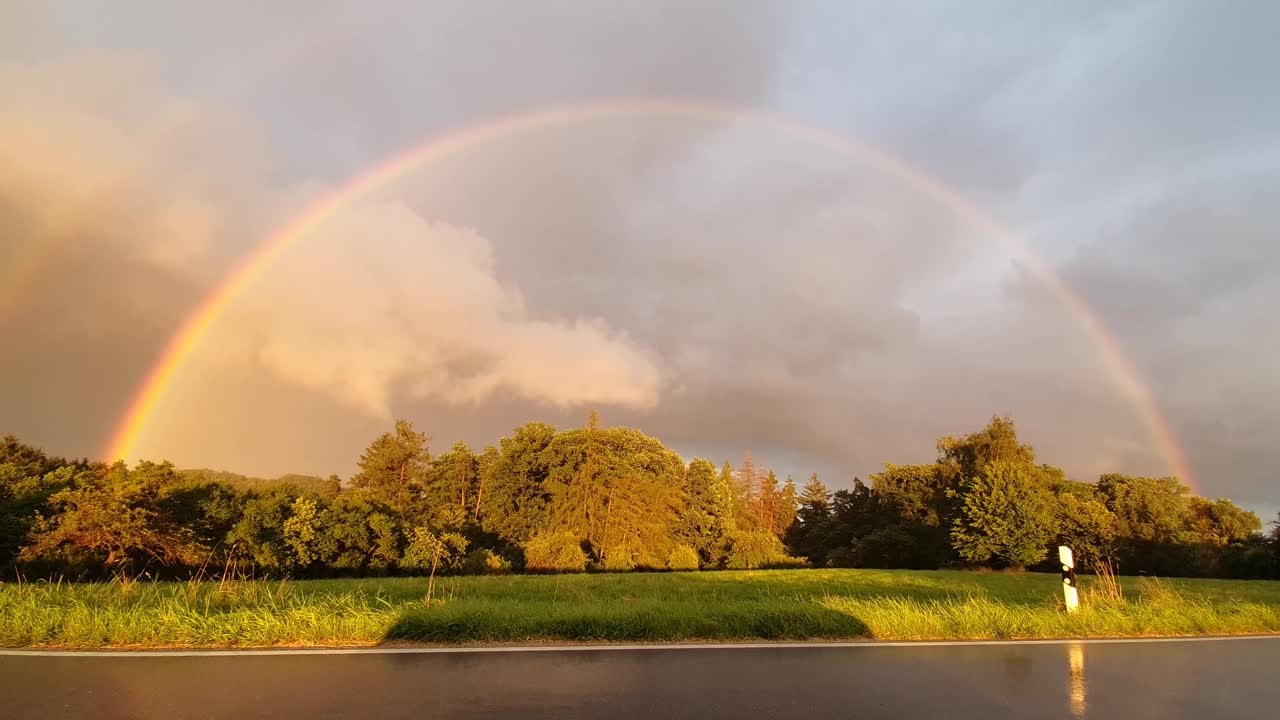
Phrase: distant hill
(325, 487)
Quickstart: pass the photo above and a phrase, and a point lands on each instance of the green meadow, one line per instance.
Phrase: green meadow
(645, 607)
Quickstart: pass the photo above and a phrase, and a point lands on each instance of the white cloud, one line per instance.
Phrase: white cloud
(378, 301)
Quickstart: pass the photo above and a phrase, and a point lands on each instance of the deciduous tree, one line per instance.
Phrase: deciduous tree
(116, 518)
(1005, 516)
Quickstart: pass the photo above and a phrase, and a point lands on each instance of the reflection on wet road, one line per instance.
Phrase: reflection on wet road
(1167, 680)
(1075, 683)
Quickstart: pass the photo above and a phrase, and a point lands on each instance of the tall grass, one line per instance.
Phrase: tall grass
(792, 604)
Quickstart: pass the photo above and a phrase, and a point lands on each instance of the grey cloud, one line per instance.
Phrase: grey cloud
(789, 299)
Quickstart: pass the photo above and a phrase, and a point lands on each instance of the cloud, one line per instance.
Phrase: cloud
(129, 205)
(723, 285)
(379, 300)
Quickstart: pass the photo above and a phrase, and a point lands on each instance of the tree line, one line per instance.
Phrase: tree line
(608, 499)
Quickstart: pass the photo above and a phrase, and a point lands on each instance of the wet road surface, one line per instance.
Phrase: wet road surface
(1229, 678)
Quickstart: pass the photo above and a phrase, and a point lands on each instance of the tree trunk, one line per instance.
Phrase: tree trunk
(431, 581)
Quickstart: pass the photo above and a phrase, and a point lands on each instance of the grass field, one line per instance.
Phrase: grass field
(776, 604)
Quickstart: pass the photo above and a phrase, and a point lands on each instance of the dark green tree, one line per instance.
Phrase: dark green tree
(393, 470)
(617, 490)
(1086, 526)
(966, 457)
(358, 536)
(784, 513)
(813, 513)
(514, 500)
(28, 478)
(451, 488)
(1221, 522)
(1153, 525)
(708, 510)
(1148, 509)
(257, 541)
(116, 518)
(1005, 518)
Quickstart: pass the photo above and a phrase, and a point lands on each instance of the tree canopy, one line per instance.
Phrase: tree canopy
(607, 499)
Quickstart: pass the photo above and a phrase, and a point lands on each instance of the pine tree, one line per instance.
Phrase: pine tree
(815, 503)
(784, 513)
(745, 488)
(807, 537)
(726, 496)
(766, 503)
(393, 469)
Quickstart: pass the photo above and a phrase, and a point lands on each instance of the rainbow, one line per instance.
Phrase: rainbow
(184, 342)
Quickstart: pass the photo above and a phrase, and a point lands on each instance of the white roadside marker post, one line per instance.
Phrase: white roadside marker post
(1069, 578)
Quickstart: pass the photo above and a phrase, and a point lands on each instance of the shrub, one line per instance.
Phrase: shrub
(890, 547)
(619, 558)
(431, 552)
(682, 557)
(483, 561)
(554, 552)
(750, 550)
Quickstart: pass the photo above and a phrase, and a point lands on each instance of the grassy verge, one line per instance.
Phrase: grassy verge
(790, 604)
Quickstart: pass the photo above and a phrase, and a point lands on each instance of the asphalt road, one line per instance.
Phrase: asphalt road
(1237, 678)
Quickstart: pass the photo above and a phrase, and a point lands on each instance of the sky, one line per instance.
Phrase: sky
(826, 233)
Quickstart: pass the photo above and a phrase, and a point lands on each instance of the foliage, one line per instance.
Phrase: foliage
(998, 442)
(327, 488)
(430, 551)
(115, 518)
(1005, 518)
(916, 494)
(612, 488)
(889, 547)
(619, 558)
(813, 513)
(754, 549)
(1087, 527)
(301, 532)
(393, 469)
(785, 509)
(1221, 522)
(554, 552)
(359, 535)
(608, 498)
(708, 510)
(746, 485)
(515, 497)
(27, 481)
(1146, 508)
(483, 561)
(451, 482)
(683, 557)
(258, 537)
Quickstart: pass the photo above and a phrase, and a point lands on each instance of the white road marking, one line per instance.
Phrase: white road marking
(863, 645)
